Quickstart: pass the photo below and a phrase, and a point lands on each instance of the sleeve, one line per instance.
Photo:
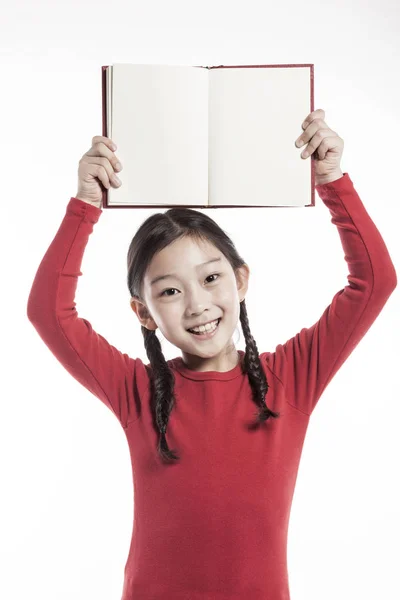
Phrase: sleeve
(307, 362)
(113, 377)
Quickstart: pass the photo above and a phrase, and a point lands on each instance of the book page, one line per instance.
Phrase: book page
(159, 122)
(255, 116)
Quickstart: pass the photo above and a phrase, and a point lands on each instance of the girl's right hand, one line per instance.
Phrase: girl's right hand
(97, 166)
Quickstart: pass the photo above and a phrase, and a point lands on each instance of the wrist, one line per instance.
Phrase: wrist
(96, 203)
(329, 178)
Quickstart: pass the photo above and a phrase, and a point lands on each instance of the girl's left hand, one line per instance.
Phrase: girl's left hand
(324, 146)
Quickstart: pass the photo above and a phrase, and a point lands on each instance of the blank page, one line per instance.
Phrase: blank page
(255, 117)
(159, 121)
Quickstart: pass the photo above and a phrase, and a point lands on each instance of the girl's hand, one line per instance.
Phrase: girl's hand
(97, 165)
(324, 146)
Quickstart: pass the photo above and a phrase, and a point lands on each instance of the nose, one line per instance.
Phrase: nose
(198, 300)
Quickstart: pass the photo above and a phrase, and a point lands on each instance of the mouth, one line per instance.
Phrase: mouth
(205, 334)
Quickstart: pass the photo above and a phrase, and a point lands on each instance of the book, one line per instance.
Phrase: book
(208, 136)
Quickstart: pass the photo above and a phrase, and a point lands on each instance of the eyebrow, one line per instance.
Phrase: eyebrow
(160, 277)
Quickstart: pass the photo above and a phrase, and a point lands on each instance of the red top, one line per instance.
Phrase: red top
(214, 525)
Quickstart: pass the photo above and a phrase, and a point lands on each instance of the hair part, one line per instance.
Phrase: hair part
(156, 233)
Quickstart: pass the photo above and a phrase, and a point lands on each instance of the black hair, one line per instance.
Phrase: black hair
(154, 234)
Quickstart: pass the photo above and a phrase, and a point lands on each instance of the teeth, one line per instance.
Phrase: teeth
(208, 327)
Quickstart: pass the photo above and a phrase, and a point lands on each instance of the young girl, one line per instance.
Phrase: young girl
(210, 523)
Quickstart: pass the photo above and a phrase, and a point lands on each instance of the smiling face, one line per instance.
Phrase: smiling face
(194, 293)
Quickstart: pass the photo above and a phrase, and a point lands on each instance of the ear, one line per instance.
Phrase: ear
(143, 314)
(242, 280)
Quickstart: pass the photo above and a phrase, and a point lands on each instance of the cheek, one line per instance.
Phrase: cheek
(227, 297)
(170, 316)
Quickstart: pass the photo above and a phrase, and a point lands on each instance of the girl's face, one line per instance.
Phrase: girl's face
(191, 293)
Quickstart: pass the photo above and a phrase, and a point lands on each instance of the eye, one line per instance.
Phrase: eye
(169, 289)
(163, 293)
(214, 275)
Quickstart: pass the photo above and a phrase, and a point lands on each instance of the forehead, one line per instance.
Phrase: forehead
(185, 253)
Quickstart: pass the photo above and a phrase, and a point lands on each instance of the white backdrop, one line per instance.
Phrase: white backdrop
(67, 497)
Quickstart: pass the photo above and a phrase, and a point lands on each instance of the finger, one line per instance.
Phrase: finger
(105, 140)
(323, 148)
(315, 114)
(101, 149)
(101, 173)
(311, 130)
(105, 172)
(316, 141)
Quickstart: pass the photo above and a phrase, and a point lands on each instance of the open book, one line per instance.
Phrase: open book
(207, 137)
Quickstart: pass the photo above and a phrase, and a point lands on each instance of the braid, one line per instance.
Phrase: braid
(162, 389)
(254, 370)
(162, 382)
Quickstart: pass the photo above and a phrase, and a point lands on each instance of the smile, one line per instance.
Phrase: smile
(206, 333)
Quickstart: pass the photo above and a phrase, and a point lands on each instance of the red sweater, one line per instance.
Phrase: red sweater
(214, 525)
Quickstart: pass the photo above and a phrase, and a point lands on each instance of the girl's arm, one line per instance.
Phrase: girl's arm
(307, 362)
(107, 373)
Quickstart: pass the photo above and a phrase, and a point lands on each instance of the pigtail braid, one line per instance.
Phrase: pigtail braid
(162, 382)
(254, 370)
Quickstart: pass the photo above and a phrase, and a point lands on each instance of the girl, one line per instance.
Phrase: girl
(211, 523)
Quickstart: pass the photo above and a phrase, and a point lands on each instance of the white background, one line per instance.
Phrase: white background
(67, 495)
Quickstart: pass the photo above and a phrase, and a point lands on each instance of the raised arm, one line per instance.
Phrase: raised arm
(307, 362)
(116, 379)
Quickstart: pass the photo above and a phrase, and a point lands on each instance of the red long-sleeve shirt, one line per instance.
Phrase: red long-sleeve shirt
(214, 525)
